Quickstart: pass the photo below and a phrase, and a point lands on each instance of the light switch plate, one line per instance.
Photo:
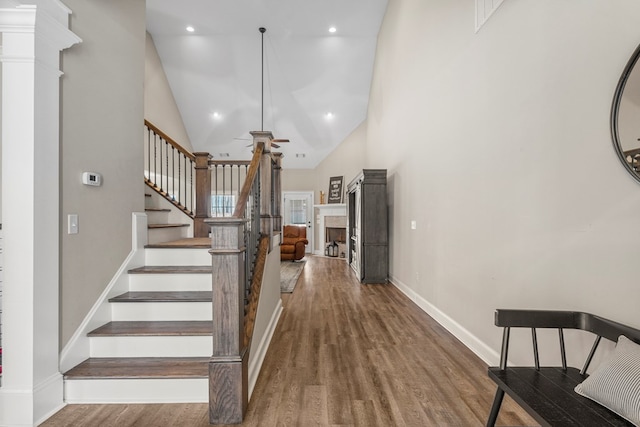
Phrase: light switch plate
(72, 224)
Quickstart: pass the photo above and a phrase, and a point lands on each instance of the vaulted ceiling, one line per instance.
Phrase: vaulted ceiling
(316, 82)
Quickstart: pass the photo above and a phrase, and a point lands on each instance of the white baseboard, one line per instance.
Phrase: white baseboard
(261, 350)
(16, 407)
(48, 397)
(482, 350)
(30, 407)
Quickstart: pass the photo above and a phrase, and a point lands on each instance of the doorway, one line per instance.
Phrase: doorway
(298, 210)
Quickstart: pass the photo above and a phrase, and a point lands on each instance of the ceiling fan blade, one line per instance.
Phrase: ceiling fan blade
(280, 140)
(275, 145)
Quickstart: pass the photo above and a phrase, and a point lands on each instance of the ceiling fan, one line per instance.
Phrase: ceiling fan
(274, 142)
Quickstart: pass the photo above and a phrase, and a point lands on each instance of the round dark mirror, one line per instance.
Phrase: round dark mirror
(625, 117)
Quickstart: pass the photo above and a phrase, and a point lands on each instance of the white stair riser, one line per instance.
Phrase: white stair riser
(169, 282)
(133, 311)
(157, 217)
(165, 390)
(161, 235)
(162, 256)
(151, 346)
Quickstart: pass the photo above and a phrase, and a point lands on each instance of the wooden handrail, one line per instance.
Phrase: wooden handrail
(169, 140)
(246, 187)
(240, 247)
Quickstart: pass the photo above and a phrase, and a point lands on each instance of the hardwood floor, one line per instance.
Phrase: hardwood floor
(343, 354)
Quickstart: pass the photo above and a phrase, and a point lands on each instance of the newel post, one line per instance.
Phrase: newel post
(228, 366)
(266, 217)
(203, 195)
(277, 191)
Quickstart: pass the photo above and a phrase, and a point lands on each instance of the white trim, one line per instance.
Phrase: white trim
(32, 38)
(310, 214)
(482, 350)
(78, 347)
(484, 10)
(19, 20)
(254, 368)
(29, 407)
(16, 407)
(333, 209)
(47, 398)
(276, 239)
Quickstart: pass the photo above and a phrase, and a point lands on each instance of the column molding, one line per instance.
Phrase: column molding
(33, 35)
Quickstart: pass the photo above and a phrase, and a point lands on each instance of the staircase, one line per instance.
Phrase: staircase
(166, 223)
(157, 334)
(157, 346)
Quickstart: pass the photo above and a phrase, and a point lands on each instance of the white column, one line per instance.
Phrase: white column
(33, 35)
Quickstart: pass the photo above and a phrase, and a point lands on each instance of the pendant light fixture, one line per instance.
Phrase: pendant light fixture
(262, 31)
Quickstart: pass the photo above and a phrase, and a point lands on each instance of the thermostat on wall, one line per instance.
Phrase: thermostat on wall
(91, 178)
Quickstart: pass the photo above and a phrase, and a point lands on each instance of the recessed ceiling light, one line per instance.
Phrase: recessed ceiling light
(329, 115)
(190, 29)
(301, 155)
(216, 115)
(332, 29)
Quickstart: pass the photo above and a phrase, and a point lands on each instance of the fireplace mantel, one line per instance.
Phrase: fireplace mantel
(331, 209)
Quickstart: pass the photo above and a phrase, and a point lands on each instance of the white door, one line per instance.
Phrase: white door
(298, 210)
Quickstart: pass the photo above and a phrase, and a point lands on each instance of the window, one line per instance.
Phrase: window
(222, 204)
(298, 211)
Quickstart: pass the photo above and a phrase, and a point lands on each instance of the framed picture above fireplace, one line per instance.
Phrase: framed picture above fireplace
(335, 189)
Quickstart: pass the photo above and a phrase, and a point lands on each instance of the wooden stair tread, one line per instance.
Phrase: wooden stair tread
(154, 296)
(172, 269)
(154, 328)
(140, 367)
(155, 226)
(157, 210)
(186, 243)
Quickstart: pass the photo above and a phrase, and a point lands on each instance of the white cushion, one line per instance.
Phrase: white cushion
(615, 384)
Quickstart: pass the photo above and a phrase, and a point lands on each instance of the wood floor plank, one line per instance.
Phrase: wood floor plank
(343, 354)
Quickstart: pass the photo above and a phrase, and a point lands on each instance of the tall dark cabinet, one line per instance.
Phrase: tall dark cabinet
(368, 226)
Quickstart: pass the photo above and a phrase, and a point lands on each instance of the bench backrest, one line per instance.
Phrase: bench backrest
(538, 319)
(567, 320)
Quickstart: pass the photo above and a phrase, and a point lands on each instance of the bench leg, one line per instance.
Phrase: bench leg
(497, 401)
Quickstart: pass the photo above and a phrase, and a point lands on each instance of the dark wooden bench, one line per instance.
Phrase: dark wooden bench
(547, 393)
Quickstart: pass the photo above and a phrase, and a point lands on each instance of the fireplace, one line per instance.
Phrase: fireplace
(332, 221)
(335, 233)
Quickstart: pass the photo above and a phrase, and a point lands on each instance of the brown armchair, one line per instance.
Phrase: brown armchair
(294, 240)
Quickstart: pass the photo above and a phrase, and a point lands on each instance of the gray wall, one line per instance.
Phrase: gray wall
(101, 131)
(497, 143)
(159, 104)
